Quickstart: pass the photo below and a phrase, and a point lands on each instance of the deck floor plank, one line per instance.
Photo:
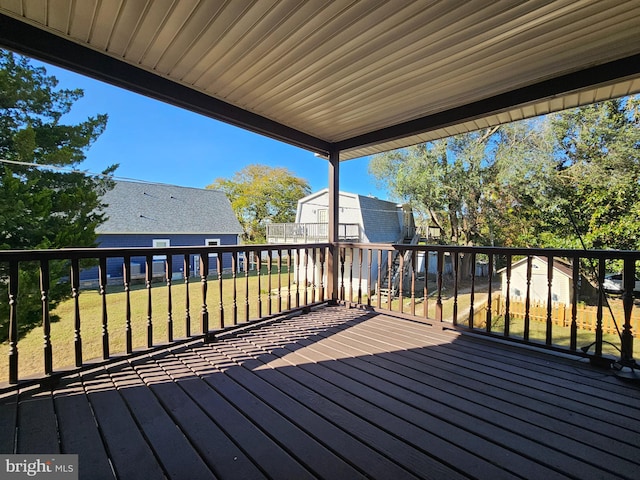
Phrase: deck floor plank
(8, 422)
(417, 413)
(130, 454)
(178, 457)
(37, 423)
(223, 457)
(491, 406)
(307, 450)
(537, 387)
(299, 403)
(336, 393)
(412, 445)
(260, 447)
(483, 421)
(78, 432)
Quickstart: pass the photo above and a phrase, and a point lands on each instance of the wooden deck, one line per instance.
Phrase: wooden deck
(336, 394)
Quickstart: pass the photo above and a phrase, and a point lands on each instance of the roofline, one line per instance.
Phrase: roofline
(169, 233)
(556, 265)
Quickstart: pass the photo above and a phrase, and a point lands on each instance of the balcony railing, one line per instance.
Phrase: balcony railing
(460, 287)
(178, 294)
(160, 296)
(310, 232)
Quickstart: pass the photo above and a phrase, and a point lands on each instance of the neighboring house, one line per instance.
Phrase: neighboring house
(362, 219)
(561, 285)
(154, 215)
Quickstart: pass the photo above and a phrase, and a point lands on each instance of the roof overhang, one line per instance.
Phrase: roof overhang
(355, 77)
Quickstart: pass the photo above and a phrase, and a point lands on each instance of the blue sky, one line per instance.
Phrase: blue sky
(156, 142)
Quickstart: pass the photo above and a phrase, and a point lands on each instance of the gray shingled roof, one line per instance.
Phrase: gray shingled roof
(152, 208)
(380, 220)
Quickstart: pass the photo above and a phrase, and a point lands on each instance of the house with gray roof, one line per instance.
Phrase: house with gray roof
(156, 215)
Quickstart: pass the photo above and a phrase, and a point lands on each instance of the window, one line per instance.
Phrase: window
(323, 215)
(161, 243)
(212, 242)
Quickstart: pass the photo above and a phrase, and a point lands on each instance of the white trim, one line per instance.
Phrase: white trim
(209, 242)
(161, 243)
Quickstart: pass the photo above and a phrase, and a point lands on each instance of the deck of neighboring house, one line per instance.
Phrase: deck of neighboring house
(337, 393)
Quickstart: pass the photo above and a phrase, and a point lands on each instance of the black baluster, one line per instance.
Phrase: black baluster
(75, 294)
(102, 273)
(46, 318)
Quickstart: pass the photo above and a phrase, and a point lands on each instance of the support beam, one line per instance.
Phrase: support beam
(334, 209)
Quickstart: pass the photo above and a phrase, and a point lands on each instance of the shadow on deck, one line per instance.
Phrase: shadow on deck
(336, 394)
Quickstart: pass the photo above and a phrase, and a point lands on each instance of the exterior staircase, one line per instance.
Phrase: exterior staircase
(396, 275)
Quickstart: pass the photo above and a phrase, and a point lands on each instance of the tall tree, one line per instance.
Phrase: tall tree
(260, 194)
(446, 179)
(42, 203)
(598, 163)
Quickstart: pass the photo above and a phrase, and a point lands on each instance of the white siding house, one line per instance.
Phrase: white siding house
(362, 219)
(561, 283)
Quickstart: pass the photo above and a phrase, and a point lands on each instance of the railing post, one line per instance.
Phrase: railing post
(234, 276)
(334, 199)
(489, 317)
(439, 286)
(573, 345)
(258, 279)
(279, 267)
(379, 280)
(13, 321)
(127, 287)
(204, 312)
(46, 319)
(456, 276)
(322, 260)
(169, 275)
(507, 300)
(220, 289)
(187, 307)
(75, 294)
(102, 273)
(289, 279)
(628, 276)
(269, 267)
(601, 297)
(148, 278)
(549, 329)
(247, 314)
(425, 287)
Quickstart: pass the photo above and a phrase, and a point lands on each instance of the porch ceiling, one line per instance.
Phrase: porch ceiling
(358, 76)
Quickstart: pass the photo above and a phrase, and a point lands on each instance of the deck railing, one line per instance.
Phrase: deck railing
(196, 292)
(310, 232)
(179, 294)
(471, 288)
